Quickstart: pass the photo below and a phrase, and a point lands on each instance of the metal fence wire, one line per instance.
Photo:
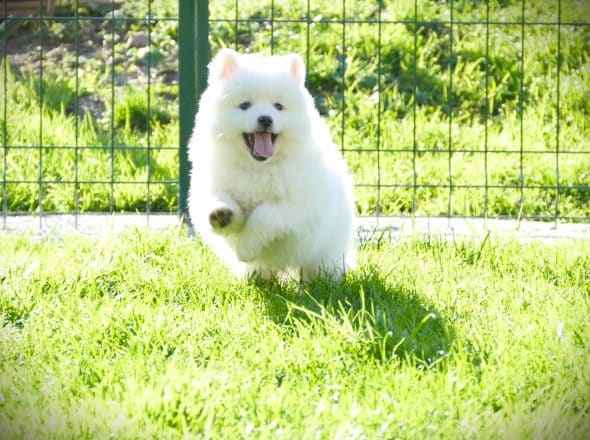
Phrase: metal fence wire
(441, 108)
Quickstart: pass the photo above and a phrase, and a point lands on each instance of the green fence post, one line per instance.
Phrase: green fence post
(193, 57)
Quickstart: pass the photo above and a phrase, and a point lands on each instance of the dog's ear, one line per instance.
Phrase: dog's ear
(223, 65)
(296, 67)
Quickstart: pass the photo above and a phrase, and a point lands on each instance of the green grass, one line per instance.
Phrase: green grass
(147, 335)
(436, 108)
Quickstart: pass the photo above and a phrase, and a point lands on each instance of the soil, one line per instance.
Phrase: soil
(55, 49)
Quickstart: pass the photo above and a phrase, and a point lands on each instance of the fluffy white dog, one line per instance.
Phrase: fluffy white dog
(270, 193)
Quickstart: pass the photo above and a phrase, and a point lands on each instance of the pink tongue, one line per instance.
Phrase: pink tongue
(263, 144)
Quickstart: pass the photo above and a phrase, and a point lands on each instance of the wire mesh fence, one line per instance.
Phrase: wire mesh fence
(89, 107)
(470, 109)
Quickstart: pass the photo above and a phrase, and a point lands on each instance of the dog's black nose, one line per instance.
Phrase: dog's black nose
(264, 121)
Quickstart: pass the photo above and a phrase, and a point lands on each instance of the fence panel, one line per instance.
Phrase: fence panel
(89, 107)
(471, 109)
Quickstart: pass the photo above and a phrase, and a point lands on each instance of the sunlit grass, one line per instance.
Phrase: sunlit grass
(147, 335)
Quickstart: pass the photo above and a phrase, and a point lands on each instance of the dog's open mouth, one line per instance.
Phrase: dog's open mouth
(261, 144)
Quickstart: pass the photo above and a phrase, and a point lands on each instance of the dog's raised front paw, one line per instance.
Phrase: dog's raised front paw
(220, 217)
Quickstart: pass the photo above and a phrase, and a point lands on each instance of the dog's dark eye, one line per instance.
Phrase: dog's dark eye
(278, 106)
(245, 105)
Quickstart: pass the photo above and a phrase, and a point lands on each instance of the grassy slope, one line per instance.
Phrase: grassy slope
(518, 94)
(148, 335)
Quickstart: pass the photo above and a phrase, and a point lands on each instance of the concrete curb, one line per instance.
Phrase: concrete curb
(369, 228)
(465, 228)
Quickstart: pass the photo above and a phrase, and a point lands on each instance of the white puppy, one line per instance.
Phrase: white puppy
(270, 193)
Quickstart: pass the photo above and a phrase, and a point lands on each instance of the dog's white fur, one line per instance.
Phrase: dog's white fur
(292, 214)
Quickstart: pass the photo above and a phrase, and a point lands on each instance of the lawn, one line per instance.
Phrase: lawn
(433, 119)
(147, 335)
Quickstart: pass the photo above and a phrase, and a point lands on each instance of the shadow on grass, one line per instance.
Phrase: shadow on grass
(370, 314)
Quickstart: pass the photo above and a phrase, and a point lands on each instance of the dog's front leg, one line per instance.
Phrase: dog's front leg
(224, 215)
(266, 223)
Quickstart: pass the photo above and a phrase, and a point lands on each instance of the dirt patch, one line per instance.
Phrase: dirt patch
(102, 52)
